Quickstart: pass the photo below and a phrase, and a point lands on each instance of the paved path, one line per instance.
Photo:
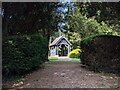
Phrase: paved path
(67, 75)
(64, 59)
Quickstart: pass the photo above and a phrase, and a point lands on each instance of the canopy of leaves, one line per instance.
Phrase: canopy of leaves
(87, 26)
(109, 12)
(74, 38)
(28, 18)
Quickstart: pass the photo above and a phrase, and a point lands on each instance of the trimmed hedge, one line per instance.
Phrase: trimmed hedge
(23, 53)
(74, 53)
(101, 53)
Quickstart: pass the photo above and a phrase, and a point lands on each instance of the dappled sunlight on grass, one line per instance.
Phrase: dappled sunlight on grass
(53, 58)
(76, 59)
(65, 59)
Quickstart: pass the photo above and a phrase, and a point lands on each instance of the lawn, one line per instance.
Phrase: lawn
(76, 59)
(53, 58)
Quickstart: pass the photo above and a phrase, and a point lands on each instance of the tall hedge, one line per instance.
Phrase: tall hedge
(23, 53)
(101, 53)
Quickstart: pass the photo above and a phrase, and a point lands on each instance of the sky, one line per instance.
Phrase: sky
(63, 11)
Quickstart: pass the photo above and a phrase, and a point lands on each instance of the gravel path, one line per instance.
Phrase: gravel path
(64, 58)
(67, 75)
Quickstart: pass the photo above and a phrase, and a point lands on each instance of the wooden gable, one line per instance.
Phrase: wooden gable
(63, 41)
(60, 40)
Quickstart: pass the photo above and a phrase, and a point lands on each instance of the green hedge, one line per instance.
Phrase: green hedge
(101, 53)
(23, 53)
(74, 53)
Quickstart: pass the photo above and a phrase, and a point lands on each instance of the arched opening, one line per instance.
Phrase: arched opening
(63, 50)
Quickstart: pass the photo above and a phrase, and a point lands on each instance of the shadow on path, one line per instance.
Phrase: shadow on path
(67, 75)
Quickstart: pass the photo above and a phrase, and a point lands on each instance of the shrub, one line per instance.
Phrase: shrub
(74, 53)
(23, 53)
(101, 53)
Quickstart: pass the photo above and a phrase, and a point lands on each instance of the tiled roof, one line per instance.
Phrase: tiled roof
(57, 40)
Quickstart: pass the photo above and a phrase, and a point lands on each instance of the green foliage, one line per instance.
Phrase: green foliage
(28, 18)
(101, 11)
(76, 59)
(101, 53)
(82, 23)
(88, 26)
(86, 41)
(74, 39)
(23, 53)
(74, 53)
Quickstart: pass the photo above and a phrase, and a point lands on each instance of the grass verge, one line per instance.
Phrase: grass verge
(53, 58)
(76, 59)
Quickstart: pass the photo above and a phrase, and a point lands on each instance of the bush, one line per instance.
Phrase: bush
(23, 53)
(74, 53)
(101, 53)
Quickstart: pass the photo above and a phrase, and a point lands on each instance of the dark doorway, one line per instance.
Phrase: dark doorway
(63, 50)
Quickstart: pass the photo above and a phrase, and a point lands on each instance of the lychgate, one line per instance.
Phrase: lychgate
(60, 46)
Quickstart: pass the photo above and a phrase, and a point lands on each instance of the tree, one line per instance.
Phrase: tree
(87, 26)
(62, 11)
(107, 12)
(74, 39)
(28, 18)
(21, 18)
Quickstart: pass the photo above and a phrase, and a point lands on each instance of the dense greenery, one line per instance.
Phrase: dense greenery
(101, 53)
(107, 12)
(87, 26)
(22, 50)
(74, 39)
(23, 53)
(86, 41)
(74, 53)
(92, 19)
(21, 18)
